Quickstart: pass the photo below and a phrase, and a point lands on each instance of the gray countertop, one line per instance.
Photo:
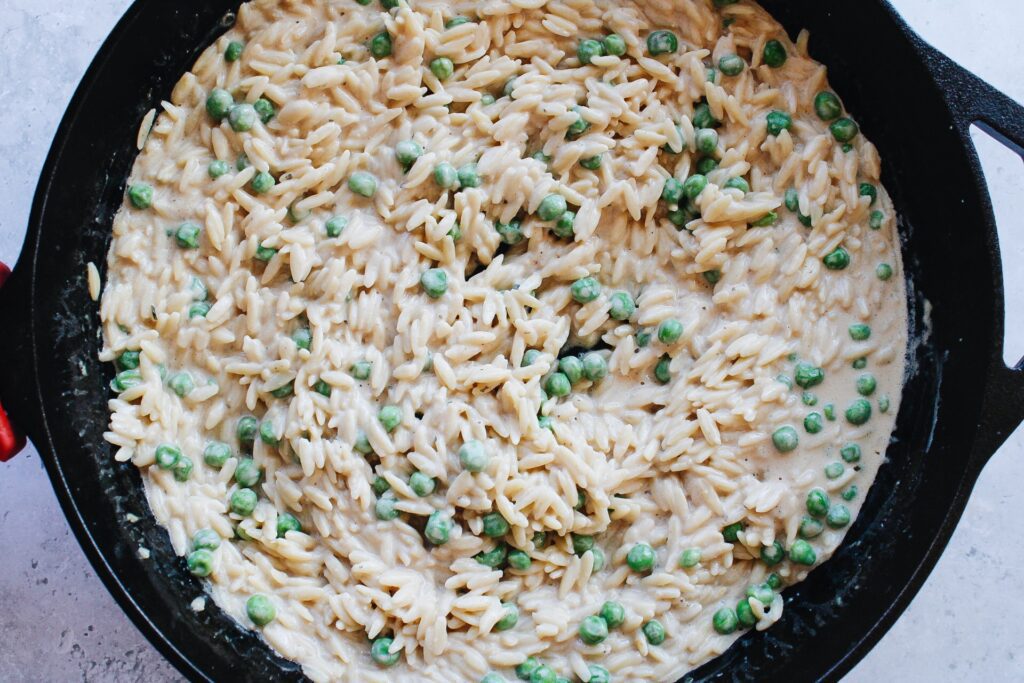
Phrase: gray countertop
(59, 624)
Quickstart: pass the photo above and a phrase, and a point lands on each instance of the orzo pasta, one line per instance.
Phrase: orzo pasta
(472, 341)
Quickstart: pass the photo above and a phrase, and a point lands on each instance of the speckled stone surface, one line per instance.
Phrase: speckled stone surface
(59, 624)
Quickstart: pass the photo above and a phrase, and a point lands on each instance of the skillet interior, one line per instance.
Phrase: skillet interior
(831, 619)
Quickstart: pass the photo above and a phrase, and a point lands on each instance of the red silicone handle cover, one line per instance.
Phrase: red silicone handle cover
(11, 438)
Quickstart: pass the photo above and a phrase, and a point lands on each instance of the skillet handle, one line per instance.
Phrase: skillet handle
(972, 101)
(12, 439)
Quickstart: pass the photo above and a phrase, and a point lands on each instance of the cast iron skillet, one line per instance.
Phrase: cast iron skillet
(959, 403)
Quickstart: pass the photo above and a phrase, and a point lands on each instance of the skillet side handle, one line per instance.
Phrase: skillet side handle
(972, 101)
(12, 439)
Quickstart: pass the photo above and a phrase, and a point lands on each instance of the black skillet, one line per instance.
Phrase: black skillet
(959, 404)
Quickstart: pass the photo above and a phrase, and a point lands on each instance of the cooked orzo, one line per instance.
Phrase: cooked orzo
(527, 339)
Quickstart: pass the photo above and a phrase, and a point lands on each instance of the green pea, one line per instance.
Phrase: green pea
(613, 614)
(572, 368)
(362, 184)
(706, 140)
(712, 276)
(438, 527)
(544, 674)
(265, 109)
(866, 384)
(284, 391)
(599, 559)
(667, 147)
(323, 388)
(662, 43)
(380, 652)
(182, 468)
(827, 106)
(564, 225)
(551, 207)
(809, 399)
(850, 493)
(779, 121)
(456, 21)
(643, 338)
(694, 185)
(672, 192)
(792, 200)
(242, 162)
(875, 220)
(385, 508)
(218, 103)
(870, 191)
(834, 470)
(446, 176)
(785, 439)
(166, 455)
(654, 632)
(858, 412)
(883, 404)
(509, 88)
(468, 176)
(669, 331)
(473, 456)
(242, 502)
(598, 674)
(264, 253)
(860, 363)
(361, 369)
(731, 65)
(817, 502)
(494, 558)
(434, 282)
(802, 553)
(595, 367)
(527, 668)
(621, 306)
(511, 233)
(641, 557)
(233, 52)
(557, 385)
(774, 54)
(187, 235)
(494, 525)
(772, 554)
(702, 117)
(731, 532)
(286, 522)
(585, 290)
(690, 558)
(783, 379)
(810, 527)
(248, 473)
(246, 430)
(860, 332)
(830, 412)
(844, 130)
(530, 356)
(663, 369)
(883, 271)
(581, 543)
(390, 417)
(181, 384)
(850, 452)
(362, 443)
(206, 539)
(518, 559)
(455, 233)
(577, 128)
(587, 49)
(302, 337)
(744, 613)
(591, 163)
(380, 486)
(509, 619)
(407, 152)
(837, 260)
(614, 45)
(812, 423)
(725, 621)
(838, 516)
(140, 195)
(380, 45)
(593, 630)
(217, 168)
(737, 184)
(442, 68)
(242, 117)
(200, 562)
(128, 360)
